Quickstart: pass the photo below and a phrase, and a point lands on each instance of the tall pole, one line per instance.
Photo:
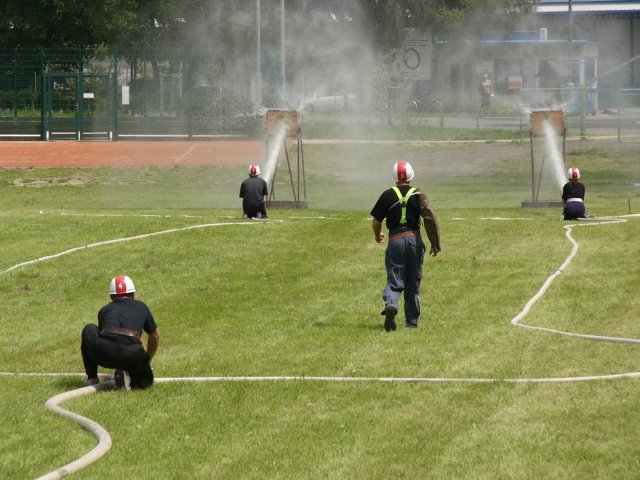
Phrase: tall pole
(258, 99)
(570, 30)
(283, 75)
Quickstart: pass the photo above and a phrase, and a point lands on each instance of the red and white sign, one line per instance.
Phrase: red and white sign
(514, 83)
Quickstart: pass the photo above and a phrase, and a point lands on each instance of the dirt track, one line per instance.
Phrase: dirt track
(201, 153)
(128, 154)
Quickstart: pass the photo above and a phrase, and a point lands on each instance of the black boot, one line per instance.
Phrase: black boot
(390, 313)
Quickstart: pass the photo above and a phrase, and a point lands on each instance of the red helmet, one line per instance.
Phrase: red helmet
(402, 172)
(254, 170)
(121, 285)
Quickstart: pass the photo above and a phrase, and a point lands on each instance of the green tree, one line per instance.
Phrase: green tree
(58, 23)
(205, 23)
(89, 23)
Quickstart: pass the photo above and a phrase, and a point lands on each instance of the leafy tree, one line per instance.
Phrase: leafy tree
(59, 23)
(205, 23)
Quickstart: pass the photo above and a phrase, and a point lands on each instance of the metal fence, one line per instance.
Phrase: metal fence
(124, 94)
(21, 87)
(582, 117)
(628, 115)
(73, 94)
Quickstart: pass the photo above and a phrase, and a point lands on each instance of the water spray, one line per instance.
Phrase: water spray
(273, 153)
(618, 67)
(281, 125)
(553, 152)
(549, 126)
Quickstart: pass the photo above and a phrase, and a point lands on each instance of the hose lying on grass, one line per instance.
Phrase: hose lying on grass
(104, 439)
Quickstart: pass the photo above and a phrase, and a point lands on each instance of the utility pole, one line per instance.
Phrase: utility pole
(258, 98)
(570, 30)
(283, 74)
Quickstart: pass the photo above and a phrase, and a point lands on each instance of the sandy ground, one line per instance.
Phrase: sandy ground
(128, 154)
(444, 158)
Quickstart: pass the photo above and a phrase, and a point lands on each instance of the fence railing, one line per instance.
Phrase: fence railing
(629, 115)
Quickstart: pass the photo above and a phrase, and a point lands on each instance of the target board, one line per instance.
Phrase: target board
(275, 118)
(554, 117)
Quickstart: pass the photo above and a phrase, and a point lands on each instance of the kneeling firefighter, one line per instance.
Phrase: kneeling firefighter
(254, 191)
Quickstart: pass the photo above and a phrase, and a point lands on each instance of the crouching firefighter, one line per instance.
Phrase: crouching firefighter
(116, 341)
(403, 207)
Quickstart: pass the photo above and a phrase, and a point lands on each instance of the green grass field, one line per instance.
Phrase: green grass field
(300, 296)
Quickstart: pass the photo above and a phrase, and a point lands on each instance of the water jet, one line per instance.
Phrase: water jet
(548, 139)
(282, 125)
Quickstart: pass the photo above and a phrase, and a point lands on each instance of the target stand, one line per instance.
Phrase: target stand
(547, 126)
(276, 120)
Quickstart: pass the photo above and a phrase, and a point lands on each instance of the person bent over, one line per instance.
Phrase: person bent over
(115, 342)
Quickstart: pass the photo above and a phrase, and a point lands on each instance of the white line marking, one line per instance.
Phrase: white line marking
(179, 159)
(504, 218)
(400, 379)
(148, 215)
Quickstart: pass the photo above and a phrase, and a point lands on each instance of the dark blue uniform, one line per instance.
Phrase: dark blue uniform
(405, 251)
(573, 196)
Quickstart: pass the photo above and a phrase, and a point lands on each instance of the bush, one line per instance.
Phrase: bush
(25, 99)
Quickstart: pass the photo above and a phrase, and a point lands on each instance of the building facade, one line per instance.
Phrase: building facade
(590, 45)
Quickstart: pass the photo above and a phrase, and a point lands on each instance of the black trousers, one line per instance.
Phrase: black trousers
(117, 352)
(251, 210)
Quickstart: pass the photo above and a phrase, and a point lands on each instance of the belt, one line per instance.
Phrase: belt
(408, 233)
(121, 331)
(574, 200)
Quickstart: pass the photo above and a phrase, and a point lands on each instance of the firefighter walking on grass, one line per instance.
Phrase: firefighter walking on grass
(403, 207)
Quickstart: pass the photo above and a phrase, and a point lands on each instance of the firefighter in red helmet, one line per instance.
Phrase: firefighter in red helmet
(403, 207)
(573, 196)
(115, 342)
(254, 191)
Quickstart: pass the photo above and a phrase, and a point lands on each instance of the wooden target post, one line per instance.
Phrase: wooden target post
(276, 120)
(555, 121)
